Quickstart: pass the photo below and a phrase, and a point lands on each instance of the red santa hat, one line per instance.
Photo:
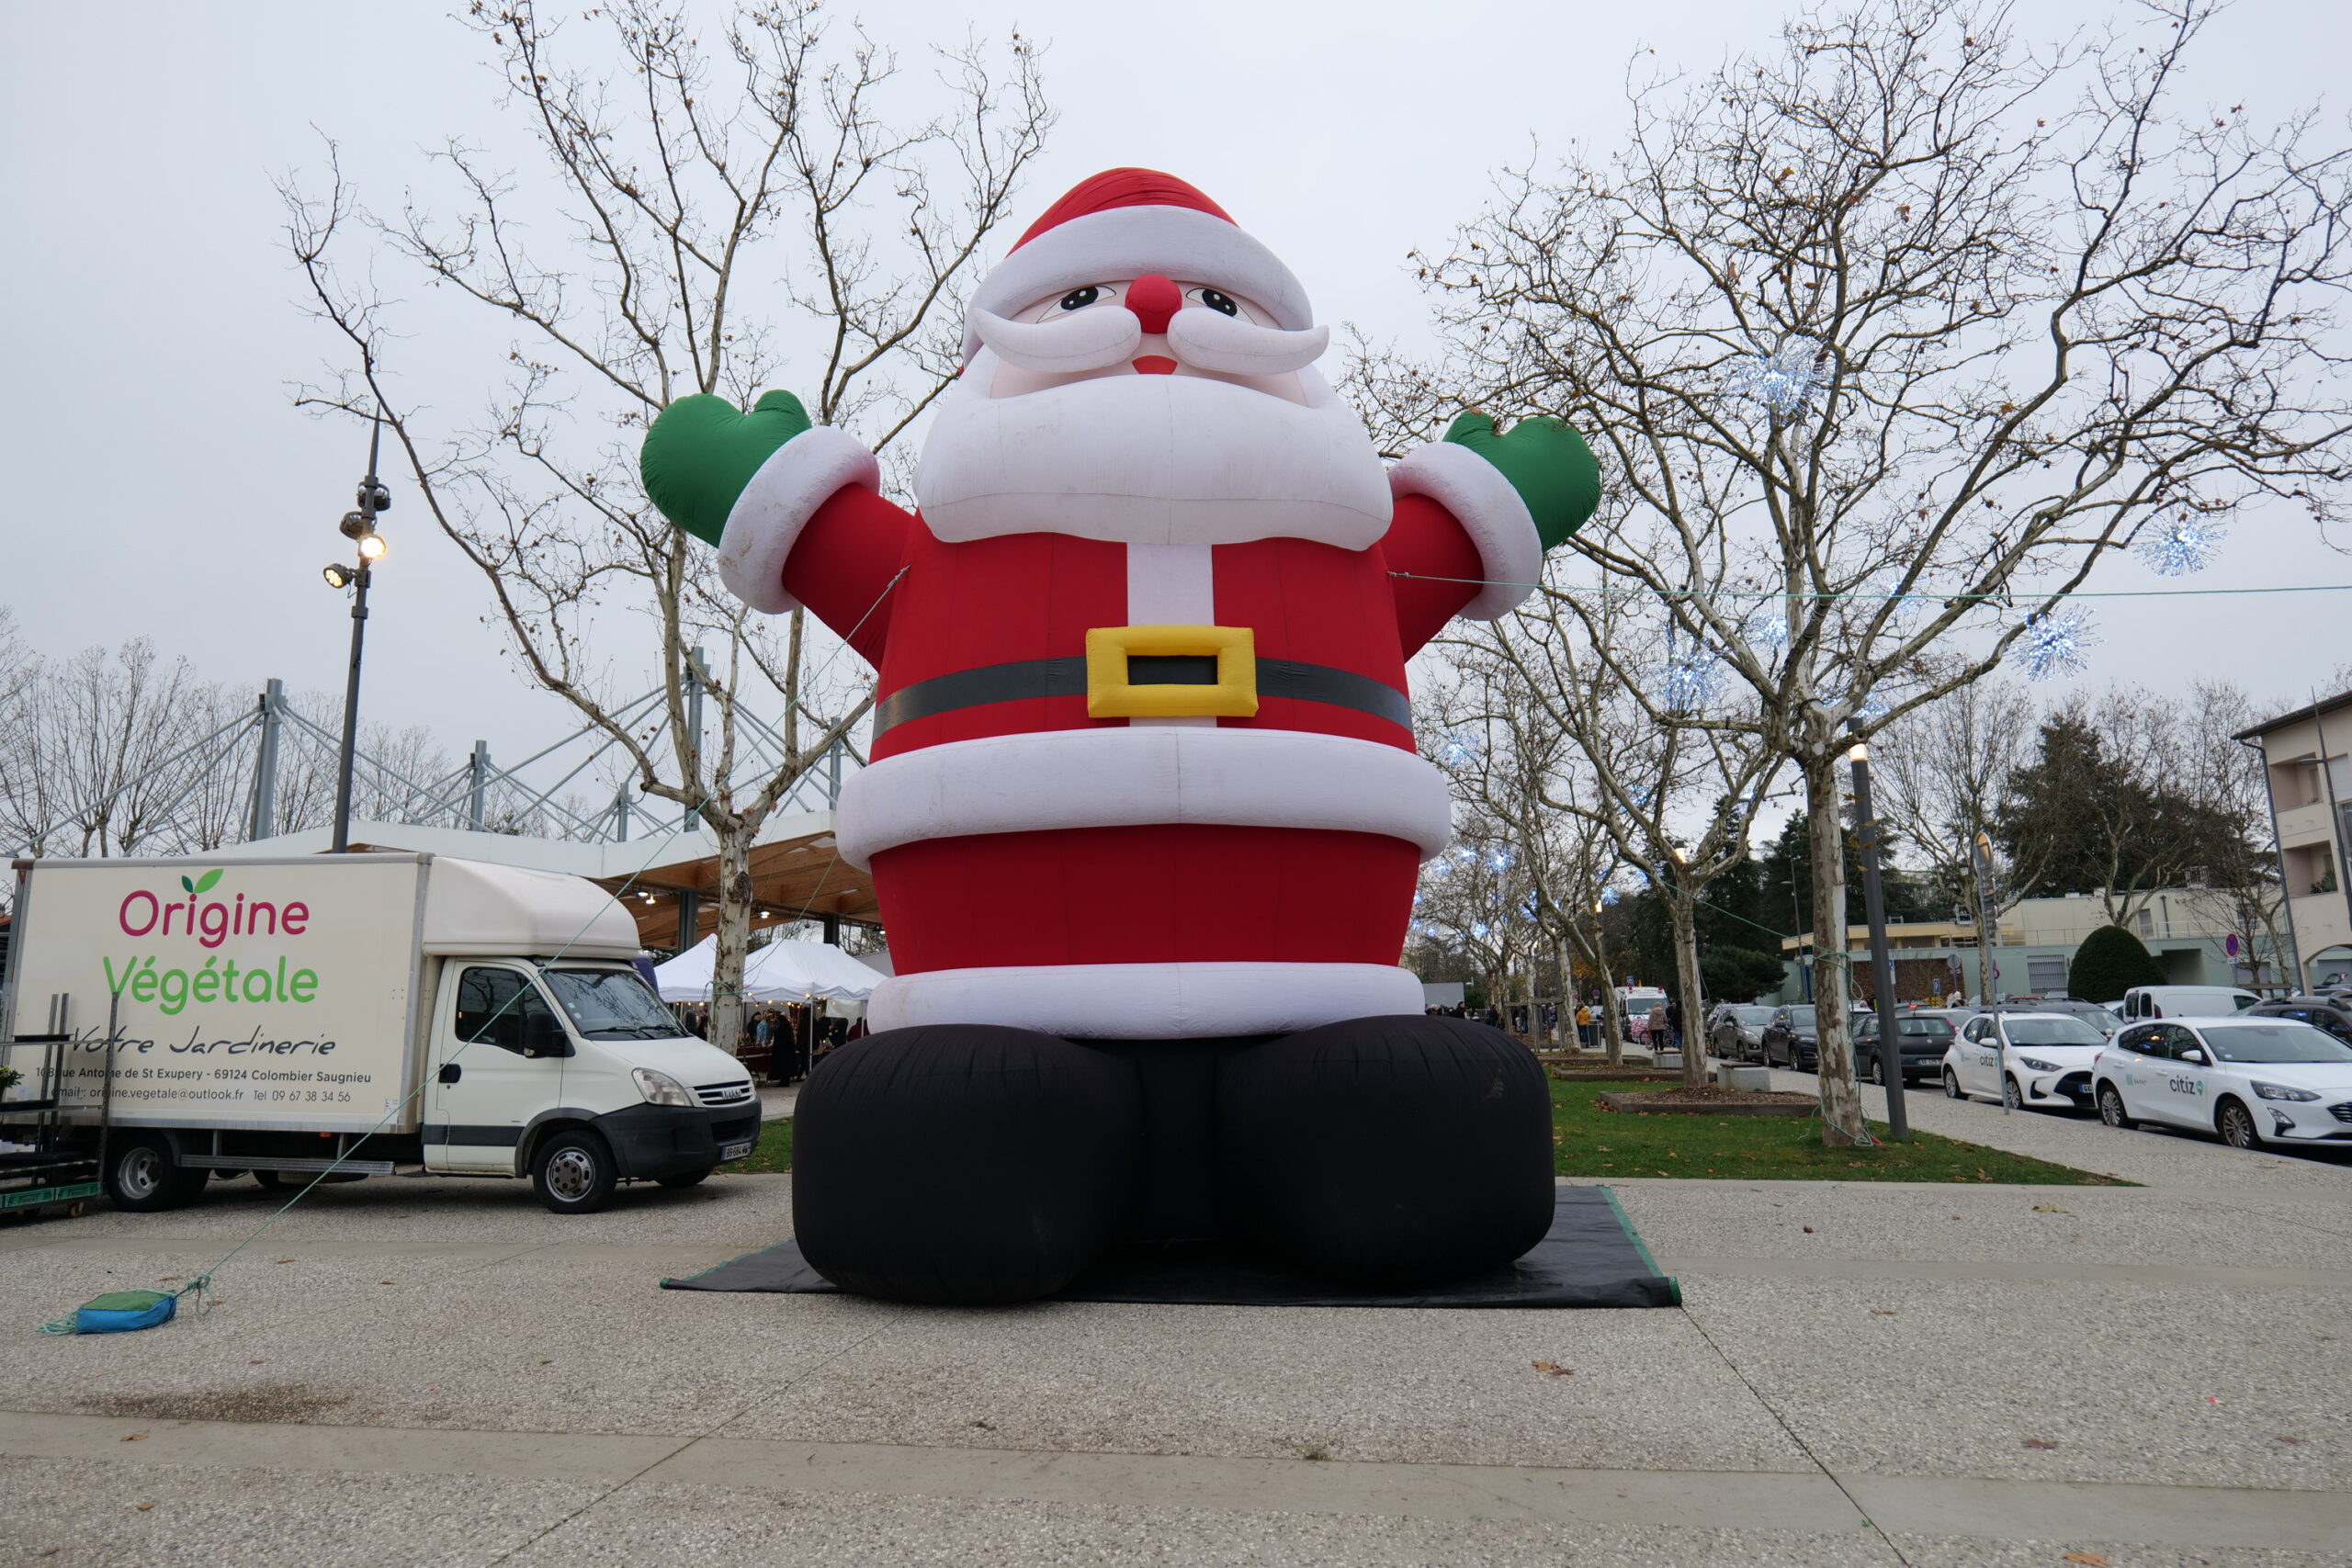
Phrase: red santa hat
(1128, 222)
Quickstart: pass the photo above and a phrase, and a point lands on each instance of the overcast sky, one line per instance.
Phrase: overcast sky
(161, 484)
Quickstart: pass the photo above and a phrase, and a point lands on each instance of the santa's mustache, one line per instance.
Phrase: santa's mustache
(1096, 340)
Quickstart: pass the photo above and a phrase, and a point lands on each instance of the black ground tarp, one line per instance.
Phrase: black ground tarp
(1589, 1258)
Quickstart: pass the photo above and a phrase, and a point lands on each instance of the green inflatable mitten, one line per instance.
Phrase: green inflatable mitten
(702, 451)
(1546, 461)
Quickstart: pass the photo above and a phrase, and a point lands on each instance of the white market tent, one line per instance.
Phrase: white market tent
(791, 971)
(780, 972)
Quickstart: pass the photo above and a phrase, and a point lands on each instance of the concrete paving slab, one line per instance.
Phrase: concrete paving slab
(748, 1210)
(679, 1523)
(2185, 1386)
(543, 1347)
(104, 1514)
(1807, 1221)
(1402, 1385)
(1968, 1551)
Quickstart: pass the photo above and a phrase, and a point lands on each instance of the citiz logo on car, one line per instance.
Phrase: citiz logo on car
(209, 923)
(2186, 1086)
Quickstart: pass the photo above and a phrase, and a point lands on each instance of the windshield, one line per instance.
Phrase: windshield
(2093, 1014)
(610, 1004)
(1801, 1017)
(2280, 1042)
(1934, 1028)
(1752, 1015)
(2051, 1031)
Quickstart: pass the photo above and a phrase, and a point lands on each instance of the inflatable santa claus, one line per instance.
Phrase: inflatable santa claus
(1144, 810)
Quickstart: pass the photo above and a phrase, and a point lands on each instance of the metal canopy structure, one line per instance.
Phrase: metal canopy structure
(527, 813)
(669, 882)
(540, 794)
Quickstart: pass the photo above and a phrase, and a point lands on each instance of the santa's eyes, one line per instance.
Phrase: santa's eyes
(1222, 303)
(1080, 299)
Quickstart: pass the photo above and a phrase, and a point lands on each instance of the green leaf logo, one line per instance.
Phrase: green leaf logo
(204, 883)
(187, 884)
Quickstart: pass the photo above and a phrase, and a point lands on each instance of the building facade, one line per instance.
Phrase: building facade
(2191, 931)
(2307, 761)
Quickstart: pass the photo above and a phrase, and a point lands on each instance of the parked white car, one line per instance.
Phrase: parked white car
(2143, 1003)
(2249, 1081)
(2040, 1059)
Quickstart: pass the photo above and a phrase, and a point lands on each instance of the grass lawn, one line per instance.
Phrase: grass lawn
(1588, 1141)
(771, 1156)
(1592, 1142)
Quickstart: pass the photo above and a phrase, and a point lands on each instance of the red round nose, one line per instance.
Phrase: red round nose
(1153, 299)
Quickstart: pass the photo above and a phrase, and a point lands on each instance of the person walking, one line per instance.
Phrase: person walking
(1584, 1027)
(1674, 1022)
(1655, 1026)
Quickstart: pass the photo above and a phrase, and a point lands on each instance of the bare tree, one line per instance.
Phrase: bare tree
(685, 183)
(1674, 790)
(1942, 773)
(1887, 336)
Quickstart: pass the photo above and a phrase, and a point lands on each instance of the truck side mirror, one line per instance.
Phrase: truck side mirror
(543, 1036)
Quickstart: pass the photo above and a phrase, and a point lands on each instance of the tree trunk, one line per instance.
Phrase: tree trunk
(1564, 1018)
(734, 936)
(1684, 916)
(1841, 1108)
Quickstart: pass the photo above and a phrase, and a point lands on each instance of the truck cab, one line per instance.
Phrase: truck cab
(570, 1072)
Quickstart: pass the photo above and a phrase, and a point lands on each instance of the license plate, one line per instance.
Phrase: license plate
(735, 1151)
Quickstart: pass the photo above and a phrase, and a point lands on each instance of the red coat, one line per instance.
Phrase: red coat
(1136, 878)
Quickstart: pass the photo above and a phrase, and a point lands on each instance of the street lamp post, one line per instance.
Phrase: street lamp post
(1890, 1057)
(359, 526)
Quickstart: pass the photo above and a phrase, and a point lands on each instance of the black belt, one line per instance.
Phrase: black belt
(1066, 677)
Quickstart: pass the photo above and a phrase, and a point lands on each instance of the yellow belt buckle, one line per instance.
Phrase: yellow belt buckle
(1110, 694)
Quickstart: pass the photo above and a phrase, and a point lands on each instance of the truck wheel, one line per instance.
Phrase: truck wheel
(686, 1178)
(573, 1173)
(144, 1178)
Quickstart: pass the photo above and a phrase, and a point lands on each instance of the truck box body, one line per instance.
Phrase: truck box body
(289, 994)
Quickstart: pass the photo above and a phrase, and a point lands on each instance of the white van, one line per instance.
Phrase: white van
(406, 1011)
(2143, 1003)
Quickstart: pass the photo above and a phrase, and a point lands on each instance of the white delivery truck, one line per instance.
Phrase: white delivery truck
(412, 1011)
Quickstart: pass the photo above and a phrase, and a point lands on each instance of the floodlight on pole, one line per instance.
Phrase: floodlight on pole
(359, 526)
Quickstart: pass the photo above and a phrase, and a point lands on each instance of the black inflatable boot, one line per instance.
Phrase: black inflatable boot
(1391, 1150)
(965, 1164)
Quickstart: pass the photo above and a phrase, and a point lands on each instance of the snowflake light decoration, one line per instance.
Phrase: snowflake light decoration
(2182, 545)
(2055, 644)
(1784, 380)
(1691, 675)
(1768, 625)
(1608, 896)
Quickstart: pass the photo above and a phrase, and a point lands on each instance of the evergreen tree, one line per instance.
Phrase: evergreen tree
(2110, 962)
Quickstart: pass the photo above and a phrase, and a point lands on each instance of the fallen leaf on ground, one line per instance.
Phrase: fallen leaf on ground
(1554, 1368)
(253, 1363)
(2040, 1443)
(2048, 1209)
(282, 1260)
(1809, 1230)
(134, 1437)
(2088, 1559)
(144, 1507)
(383, 1281)
(1881, 1312)
(167, 1279)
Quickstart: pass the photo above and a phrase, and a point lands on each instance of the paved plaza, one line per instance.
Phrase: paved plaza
(437, 1371)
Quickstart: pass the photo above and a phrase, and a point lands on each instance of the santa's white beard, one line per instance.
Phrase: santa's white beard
(1151, 459)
